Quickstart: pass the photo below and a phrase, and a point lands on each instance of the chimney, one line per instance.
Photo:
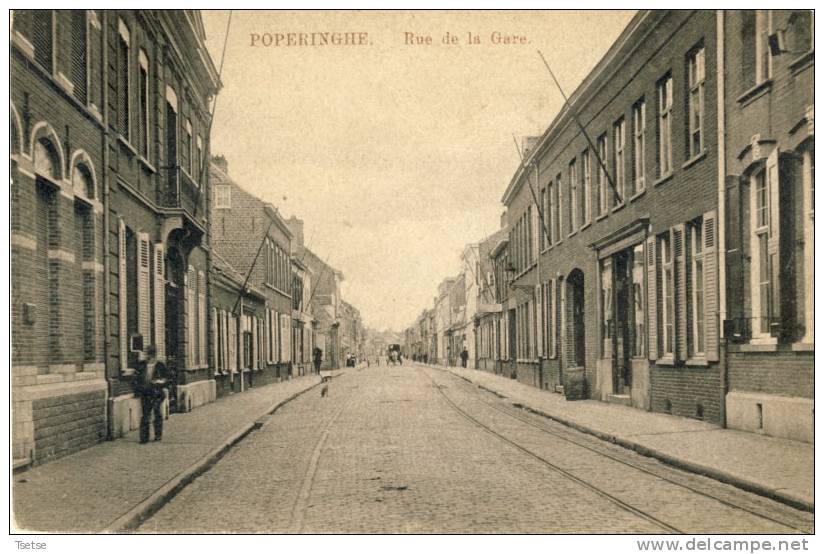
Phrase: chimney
(296, 226)
(221, 163)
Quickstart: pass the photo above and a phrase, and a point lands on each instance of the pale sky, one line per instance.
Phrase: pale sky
(394, 155)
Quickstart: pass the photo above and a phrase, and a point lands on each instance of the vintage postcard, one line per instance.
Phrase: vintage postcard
(415, 272)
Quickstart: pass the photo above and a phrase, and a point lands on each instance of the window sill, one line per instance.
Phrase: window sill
(697, 362)
(192, 179)
(64, 82)
(695, 159)
(803, 62)
(572, 234)
(585, 225)
(23, 44)
(602, 216)
(145, 163)
(618, 207)
(759, 347)
(666, 361)
(662, 179)
(125, 143)
(755, 92)
(637, 195)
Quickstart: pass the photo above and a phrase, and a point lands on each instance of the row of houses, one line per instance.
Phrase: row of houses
(663, 259)
(124, 235)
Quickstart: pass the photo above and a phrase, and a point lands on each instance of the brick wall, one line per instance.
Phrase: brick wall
(65, 424)
(784, 373)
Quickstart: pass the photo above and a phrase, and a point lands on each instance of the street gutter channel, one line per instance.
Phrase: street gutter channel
(132, 519)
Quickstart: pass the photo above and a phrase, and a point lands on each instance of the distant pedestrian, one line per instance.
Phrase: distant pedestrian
(464, 357)
(317, 357)
(150, 384)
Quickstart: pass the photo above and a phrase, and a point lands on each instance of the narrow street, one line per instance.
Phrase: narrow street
(416, 449)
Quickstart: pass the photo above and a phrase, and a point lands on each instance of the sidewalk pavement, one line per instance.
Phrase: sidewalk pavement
(777, 468)
(113, 485)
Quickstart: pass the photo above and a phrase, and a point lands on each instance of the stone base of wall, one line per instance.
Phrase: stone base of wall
(194, 395)
(53, 420)
(777, 416)
(126, 412)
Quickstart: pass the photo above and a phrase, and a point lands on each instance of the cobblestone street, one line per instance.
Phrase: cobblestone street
(415, 449)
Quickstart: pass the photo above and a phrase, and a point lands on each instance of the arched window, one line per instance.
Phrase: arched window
(82, 182)
(46, 159)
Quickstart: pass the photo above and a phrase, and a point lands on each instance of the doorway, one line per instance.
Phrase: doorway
(621, 362)
(174, 310)
(575, 287)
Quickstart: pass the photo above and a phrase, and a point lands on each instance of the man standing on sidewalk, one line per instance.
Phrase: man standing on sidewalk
(150, 383)
(317, 357)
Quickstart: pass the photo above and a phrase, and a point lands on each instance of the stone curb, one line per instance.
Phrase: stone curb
(782, 496)
(132, 519)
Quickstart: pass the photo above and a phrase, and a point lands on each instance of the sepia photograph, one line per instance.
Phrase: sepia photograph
(416, 272)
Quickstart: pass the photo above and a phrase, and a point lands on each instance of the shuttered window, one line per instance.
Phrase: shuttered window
(123, 80)
(122, 296)
(143, 104)
(201, 317)
(79, 54)
(667, 295)
(143, 288)
(42, 37)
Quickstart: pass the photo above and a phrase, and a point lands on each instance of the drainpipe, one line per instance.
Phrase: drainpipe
(106, 222)
(721, 224)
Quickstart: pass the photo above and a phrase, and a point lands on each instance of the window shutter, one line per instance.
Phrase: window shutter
(232, 338)
(215, 338)
(41, 37)
(121, 293)
(680, 292)
(711, 308)
(201, 317)
(189, 289)
(539, 321)
(78, 53)
(224, 337)
(143, 290)
(773, 243)
(652, 300)
(159, 301)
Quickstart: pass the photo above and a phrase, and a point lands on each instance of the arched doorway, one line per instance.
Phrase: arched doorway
(576, 333)
(174, 306)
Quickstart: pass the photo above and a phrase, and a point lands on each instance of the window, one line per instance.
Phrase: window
(667, 296)
(79, 54)
(171, 127)
(188, 147)
(639, 114)
(223, 196)
(665, 126)
(42, 38)
(619, 171)
(553, 212)
(559, 214)
(198, 171)
(761, 259)
(695, 107)
(756, 62)
(801, 27)
(143, 104)
(542, 237)
(572, 201)
(530, 246)
(607, 305)
(123, 80)
(602, 175)
(696, 269)
(639, 336)
(586, 188)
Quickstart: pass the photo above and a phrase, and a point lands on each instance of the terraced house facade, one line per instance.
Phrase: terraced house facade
(109, 123)
(668, 262)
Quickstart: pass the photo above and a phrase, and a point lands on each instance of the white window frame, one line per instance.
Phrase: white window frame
(223, 196)
(143, 64)
(639, 117)
(760, 231)
(696, 239)
(763, 28)
(572, 210)
(696, 75)
(603, 150)
(668, 328)
(125, 35)
(586, 170)
(619, 133)
(665, 126)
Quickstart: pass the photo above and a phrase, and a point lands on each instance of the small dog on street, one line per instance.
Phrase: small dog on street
(324, 391)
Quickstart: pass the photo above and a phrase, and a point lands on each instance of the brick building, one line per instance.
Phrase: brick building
(768, 168)
(109, 121)
(620, 300)
(325, 299)
(303, 327)
(251, 237)
(489, 302)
